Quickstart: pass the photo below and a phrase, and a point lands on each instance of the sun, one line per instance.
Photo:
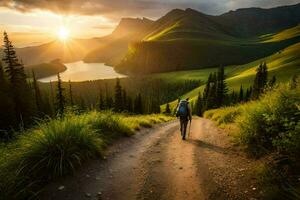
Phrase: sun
(63, 33)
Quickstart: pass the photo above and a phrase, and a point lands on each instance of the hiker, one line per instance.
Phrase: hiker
(184, 112)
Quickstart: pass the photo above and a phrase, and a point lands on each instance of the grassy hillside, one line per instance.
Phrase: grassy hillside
(188, 39)
(58, 147)
(283, 64)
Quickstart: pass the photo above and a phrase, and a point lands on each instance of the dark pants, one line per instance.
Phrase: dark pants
(183, 127)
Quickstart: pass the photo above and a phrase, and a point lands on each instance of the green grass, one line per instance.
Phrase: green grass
(283, 64)
(181, 76)
(58, 147)
(270, 123)
(269, 127)
(283, 35)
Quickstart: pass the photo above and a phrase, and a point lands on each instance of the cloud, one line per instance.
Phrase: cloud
(134, 8)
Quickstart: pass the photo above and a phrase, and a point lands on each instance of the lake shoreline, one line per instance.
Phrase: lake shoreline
(80, 71)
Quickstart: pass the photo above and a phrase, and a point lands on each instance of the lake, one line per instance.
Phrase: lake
(81, 71)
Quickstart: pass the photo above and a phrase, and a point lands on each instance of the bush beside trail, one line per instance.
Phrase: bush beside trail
(269, 126)
(58, 147)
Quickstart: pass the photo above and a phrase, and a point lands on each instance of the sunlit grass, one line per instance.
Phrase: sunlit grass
(58, 147)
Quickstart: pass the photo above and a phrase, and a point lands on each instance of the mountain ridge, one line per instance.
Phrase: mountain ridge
(186, 30)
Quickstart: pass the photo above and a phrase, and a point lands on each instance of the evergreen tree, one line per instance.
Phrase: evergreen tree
(207, 87)
(260, 81)
(22, 96)
(101, 101)
(241, 94)
(221, 87)
(199, 106)
(272, 82)
(234, 97)
(60, 98)
(264, 80)
(109, 102)
(168, 109)
(124, 100)
(212, 95)
(118, 97)
(71, 94)
(248, 94)
(294, 82)
(129, 106)
(138, 105)
(37, 93)
(7, 115)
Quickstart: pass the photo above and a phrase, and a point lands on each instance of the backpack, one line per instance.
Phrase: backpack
(182, 110)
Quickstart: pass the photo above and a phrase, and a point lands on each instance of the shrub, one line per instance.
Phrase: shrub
(273, 121)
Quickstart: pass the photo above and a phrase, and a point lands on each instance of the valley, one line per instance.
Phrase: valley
(172, 104)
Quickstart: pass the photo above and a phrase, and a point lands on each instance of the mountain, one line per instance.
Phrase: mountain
(116, 44)
(188, 39)
(70, 51)
(180, 40)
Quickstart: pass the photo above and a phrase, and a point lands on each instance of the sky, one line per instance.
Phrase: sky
(30, 22)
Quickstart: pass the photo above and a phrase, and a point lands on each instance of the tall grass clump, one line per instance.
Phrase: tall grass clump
(224, 115)
(59, 146)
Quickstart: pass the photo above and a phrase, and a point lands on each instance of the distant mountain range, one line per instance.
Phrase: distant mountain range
(180, 40)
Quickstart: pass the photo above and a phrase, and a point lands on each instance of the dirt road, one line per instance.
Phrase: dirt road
(157, 164)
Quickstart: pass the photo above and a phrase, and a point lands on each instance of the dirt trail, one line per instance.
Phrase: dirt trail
(157, 164)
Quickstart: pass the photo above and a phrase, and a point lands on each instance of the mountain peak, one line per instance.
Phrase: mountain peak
(127, 26)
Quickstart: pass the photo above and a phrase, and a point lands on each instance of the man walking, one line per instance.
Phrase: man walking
(184, 112)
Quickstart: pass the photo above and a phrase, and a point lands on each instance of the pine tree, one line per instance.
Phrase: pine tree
(129, 106)
(247, 95)
(264, 80)
(168, 109)
(118, 97)
(199, 105)
(22, 96)
(109, 102)
(260, 81)
(221, 87)
(71, 94)
(7, 115)
(241, 94)
(212, 95)
(37, 93)
(101, 101)
(207, 87)
(52, 98)
(124, 100)
(294, 83)
(234, 97)
(272, 82)
(138, 105)
(60, 98)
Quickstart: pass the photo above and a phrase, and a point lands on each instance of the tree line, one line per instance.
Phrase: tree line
(216, 93)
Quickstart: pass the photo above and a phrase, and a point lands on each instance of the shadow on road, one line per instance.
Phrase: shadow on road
(212, 147)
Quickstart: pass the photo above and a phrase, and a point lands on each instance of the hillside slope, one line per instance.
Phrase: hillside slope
(188, 39)
(282, 64)
(115, 46)
(70, 51)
